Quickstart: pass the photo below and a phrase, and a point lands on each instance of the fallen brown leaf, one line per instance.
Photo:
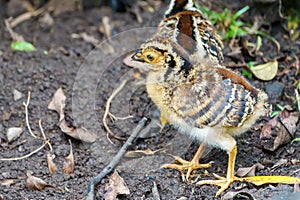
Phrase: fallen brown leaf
(34, 183)
(69, 165)
(58, 103)
(279, 130)
(248, 171)
(115, 186)
(289, 120)
(78, 133)
(51, 165)
(7, 182)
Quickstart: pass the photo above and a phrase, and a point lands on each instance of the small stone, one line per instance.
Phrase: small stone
(13, 133)
(274, 90)
(17, 95)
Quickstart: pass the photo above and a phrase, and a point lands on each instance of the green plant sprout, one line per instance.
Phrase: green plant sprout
(277, 112)
(229, 22)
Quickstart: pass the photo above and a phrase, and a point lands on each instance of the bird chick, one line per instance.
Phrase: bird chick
(206, 101)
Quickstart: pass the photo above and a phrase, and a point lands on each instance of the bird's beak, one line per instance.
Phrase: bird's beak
(138, 56)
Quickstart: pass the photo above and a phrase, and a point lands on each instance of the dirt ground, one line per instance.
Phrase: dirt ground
(82, 70)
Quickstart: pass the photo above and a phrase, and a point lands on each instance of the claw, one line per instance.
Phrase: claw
(190, 166)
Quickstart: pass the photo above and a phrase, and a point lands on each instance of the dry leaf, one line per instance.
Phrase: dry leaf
(248, 171)
(265, 71)
(13, 133)
(78, 133)
(7, 182)
(140, 153)
(289, 120)
(115, 186)
(69, 165)
(34, 183)
(279, 130)
(51, 165)
(58, 103)
(267, 128)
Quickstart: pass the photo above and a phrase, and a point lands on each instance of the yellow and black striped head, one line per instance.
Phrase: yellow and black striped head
(162, 53)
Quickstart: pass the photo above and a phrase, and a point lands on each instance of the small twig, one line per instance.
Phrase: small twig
(44, 136)
(109, 100)
(45, 140)
(15, 36)
(26, 16)
(18, 144)
(26, 116)
(115, 161)
(26, 156)
(113, 117)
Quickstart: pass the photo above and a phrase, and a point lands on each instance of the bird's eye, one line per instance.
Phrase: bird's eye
(150, 58)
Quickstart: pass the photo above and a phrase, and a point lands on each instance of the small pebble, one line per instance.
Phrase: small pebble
(274, 90)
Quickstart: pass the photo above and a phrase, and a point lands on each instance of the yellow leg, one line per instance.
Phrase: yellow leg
(224, 183)
(189, 165)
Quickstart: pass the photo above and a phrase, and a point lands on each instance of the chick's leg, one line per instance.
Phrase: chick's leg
(224, 183)
(189, 165)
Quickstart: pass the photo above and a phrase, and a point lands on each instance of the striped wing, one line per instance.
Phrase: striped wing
(204, 103)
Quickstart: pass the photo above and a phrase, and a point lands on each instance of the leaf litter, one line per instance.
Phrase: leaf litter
(58, 104)
(35, 183)
(115, 187)
(279, 130)
(51, 165)
(69, 164)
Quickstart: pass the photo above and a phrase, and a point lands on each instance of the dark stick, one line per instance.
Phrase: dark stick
(115, 161)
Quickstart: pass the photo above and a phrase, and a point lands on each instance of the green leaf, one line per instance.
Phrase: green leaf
(280, 107)
(251, 64)
(295, 140)
(247, 73)
(22, 46)
(277, 112)
(240, 12)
